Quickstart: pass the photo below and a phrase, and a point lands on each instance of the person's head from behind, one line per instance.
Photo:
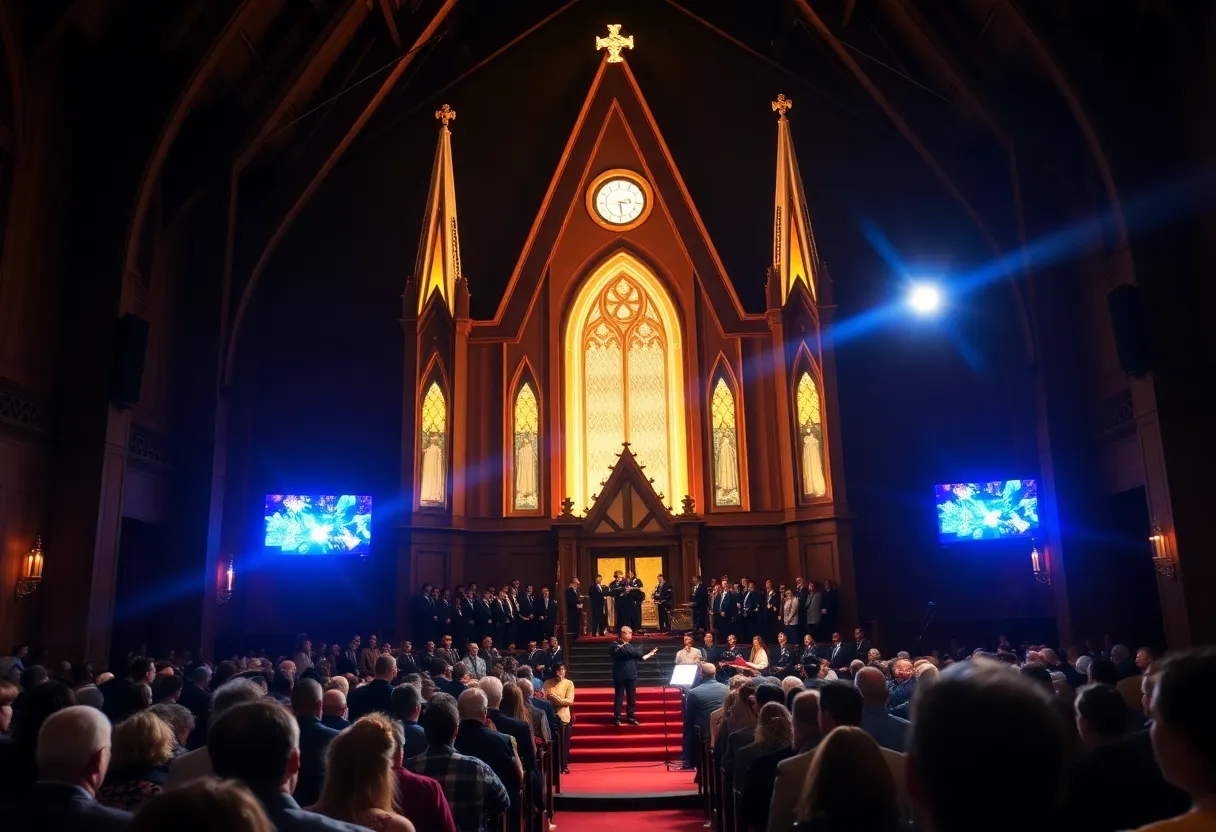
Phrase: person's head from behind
(847, 772)
(333, 703)
(257, 743)
(386, 668)
(74, 747)
(981, 724)
(513, 701)
(141, 741)
(1183, 724)
(767, 692)
(8, 695)
(492, 688)
(839, 704)
(204, 804)
(406, 702)
(38, 705)
(178, 717)
(872, 686)
(473, 706)
(1101, 715)
(773, 726)
(1103, 672)
(441, 720)
(359, 769)
(33, 676)
(235, 692)
(805, 713)
(306, 698)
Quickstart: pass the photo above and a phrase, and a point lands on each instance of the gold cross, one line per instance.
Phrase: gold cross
(614, 43)
(781, 105)
(445, 114)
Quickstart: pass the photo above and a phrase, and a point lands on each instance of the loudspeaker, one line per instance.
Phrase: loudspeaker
(127, 367)
(1131, 329)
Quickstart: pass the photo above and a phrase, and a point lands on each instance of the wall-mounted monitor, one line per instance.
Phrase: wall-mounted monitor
(979, 511)
(318, 524)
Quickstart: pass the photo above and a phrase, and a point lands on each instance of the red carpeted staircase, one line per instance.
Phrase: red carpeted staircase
(597, 740)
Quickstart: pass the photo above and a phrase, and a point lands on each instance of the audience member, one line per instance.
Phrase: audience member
(73, 754)
(18, 769)
(314, 743)
(849, 786)
(476, 739)
(142, 748)
(473, 790)
(560, 692)
(887, 730)
(376, 695)
(194, 764)
(406, 709)
(333, 709)
(203, 806)
(420, 798)
(703, 699)
(258, 743)
(360, 784)
(179, 719)
(773, 730)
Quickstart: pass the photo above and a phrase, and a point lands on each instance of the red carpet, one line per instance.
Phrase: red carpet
(597, 740)
(677, 820)
(625, 778)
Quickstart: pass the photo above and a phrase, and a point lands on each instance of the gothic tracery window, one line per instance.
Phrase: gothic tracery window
(725, 438)
(810, 437)
(625, 390)
(525, 471)
(432, 484)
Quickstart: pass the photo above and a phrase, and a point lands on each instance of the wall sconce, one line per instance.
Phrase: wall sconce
(31, 571)
(223, 594)
(1162, 562)
(1038, 564)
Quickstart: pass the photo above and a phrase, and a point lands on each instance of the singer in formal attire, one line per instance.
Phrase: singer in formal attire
(599, 607)
(625, 658)
(664, 598)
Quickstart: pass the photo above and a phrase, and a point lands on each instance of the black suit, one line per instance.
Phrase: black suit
(625, 658)
(831, 603)
(424, 619)
(499, 614)
(61, 806)
(757, 789)
(809, 658)
(749, 615)
(524, 744)
(573, 613)
(198, 700)
(527, 622)
(511, 636)
(546, 616)
(314, 741)
(837, 658)
(599, 610)
(700, 607)
(664, 598)
(287, 816)
(722, 607)
(861, 649)
(1118, 786)
(334, 721)
(348, 662)
(476, 739)
(376, 695)
(772, 615)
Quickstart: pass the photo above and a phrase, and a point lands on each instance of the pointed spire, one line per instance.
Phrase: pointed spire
(794, 255)
(438, 265)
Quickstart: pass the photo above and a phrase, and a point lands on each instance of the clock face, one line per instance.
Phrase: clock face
(619, 201)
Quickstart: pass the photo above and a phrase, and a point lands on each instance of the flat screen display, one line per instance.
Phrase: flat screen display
(997, 510)
(318, 524)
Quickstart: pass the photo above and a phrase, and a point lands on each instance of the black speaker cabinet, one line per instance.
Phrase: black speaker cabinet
(127, 369)
(1131, 329)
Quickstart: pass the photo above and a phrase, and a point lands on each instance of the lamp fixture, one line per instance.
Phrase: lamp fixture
(223, 594)
(1162, 562)
(1038, 565)
(31, 571)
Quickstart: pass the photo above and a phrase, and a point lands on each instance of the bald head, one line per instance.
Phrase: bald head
(492, 688)
(872, 684)
(74, 747)
(473, 705)
(708, 671)
(333, 703)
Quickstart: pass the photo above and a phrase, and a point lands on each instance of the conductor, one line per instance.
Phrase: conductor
(625, 657)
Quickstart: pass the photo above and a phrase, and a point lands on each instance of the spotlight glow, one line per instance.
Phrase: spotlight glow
(925, 299)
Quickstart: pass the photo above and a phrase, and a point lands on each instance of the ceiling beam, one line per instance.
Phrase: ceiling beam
(319, 177)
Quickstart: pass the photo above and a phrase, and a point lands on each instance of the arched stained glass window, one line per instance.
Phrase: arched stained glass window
(725, 437)
(810, 438)
(432, 482)
(525, 469)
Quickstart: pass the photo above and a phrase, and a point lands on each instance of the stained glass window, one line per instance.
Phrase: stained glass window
(526, 470)
(725, 445)
(432, 483)
(810, 438)
(625, 388)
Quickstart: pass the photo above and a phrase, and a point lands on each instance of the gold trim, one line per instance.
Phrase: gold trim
(620, 173)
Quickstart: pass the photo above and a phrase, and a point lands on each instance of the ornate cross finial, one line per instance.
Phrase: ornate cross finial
(781, 105)
(445, 114)
(614, 43)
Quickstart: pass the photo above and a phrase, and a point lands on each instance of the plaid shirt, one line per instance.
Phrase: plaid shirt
(473, 790)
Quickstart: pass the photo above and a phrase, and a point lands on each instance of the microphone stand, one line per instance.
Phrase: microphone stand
(921, 638)
(667, 763)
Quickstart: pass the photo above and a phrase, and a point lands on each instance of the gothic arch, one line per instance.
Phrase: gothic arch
(724, 374)
(513, 436)
(621, 300)
(433, 418)
(809, 428)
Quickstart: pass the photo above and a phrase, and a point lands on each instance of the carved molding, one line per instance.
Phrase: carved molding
(23, 409)
(146, 445)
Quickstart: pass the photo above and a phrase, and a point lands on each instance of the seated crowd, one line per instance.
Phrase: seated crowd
(344, 737)
(997, 740)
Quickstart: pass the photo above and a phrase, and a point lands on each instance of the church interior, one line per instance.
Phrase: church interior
(668, 333)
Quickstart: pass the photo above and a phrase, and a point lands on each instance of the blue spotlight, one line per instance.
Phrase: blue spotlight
(925, 299)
